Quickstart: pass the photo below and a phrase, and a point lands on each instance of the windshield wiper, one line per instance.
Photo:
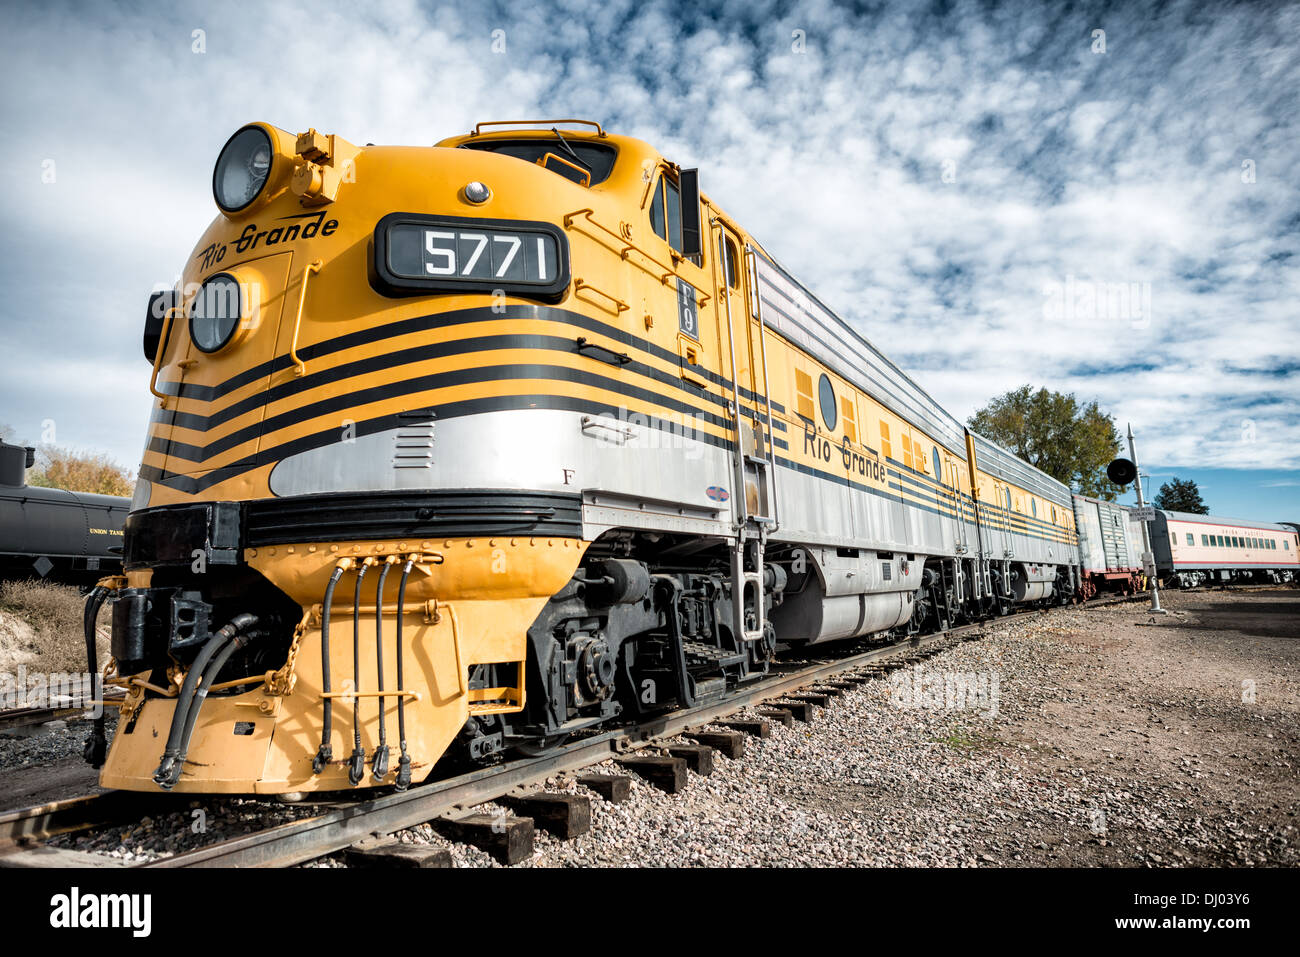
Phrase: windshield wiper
(569, 149)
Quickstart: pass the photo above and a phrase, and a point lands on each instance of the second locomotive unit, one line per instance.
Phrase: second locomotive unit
(467, 448)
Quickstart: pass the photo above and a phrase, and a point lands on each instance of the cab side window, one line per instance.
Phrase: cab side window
(666, 212)
(673, 204)
(657, 211)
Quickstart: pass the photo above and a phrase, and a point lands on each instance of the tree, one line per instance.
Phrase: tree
(80, 472)
(1069, 441)
(1181, 495)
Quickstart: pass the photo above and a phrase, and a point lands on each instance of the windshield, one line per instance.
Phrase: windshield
(596, 157)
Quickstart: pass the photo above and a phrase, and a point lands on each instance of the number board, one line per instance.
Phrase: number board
(688, 316)
(417, 254)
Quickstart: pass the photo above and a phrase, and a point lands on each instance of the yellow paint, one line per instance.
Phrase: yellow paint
(323, 198)
(454, 597)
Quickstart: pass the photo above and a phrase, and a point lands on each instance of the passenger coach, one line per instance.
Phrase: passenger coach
(1193, 549)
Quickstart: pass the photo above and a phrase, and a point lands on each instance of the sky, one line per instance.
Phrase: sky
(1096, 199)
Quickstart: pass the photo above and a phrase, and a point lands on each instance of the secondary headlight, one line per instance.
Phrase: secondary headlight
(214, 314)
(243, 167)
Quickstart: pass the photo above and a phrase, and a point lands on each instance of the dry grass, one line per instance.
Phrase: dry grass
(40, 627)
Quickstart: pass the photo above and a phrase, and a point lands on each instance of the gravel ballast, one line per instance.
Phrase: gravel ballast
(1089, 736)
(1118, 739)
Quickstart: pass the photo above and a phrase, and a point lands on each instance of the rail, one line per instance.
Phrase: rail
(345, 824)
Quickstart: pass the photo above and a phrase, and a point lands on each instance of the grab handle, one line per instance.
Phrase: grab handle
(162, 347)
(299, 366)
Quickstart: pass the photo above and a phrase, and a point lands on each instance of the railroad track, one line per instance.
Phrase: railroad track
(350, 823)
(16, 719)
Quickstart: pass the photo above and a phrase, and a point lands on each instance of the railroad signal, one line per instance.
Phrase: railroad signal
(1121, 471)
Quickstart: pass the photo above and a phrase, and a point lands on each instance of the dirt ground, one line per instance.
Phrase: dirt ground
(1190, 720)
(1122, 739)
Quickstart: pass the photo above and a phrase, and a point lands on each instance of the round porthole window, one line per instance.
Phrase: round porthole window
(826, 395)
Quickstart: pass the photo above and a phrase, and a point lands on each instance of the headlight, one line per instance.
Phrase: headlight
(214, 314)
(242, 169)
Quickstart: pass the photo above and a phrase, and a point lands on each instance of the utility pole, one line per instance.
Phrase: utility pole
(1148, 555)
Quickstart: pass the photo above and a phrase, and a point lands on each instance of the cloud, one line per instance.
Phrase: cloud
(1164, 163)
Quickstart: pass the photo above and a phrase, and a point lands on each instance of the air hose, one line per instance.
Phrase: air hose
(326, 754)
(235, 643)
(404, 763)
(379, 767)
(168, 771)
(96, 747)
(357, 762)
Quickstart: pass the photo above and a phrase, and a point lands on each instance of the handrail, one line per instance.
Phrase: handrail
(738, 461)
(767, 385)
(162, 347)
(461, 680)
(299, 366)
(616, 358)
(652, 181)
(584, 173)
(580, 284)
(628, 246)
(478, 127)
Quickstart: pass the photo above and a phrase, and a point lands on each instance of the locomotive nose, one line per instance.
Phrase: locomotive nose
(222, 328)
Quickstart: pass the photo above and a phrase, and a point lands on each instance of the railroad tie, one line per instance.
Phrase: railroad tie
(698, 757)
(668, 774)
(614, 788)
(508, 839)
(781, 716)
(390, 852)
(812, 697)
(730, 744)
(563, 815)
(757, 729)
(798, 710)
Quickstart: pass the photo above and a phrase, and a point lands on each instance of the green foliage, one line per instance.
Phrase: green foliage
(1181, 495)
(1069, 441)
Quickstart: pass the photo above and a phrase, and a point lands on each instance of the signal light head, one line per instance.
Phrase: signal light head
(1121, 471)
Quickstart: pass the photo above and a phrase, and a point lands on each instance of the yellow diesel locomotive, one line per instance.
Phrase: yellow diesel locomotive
(461, 450)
